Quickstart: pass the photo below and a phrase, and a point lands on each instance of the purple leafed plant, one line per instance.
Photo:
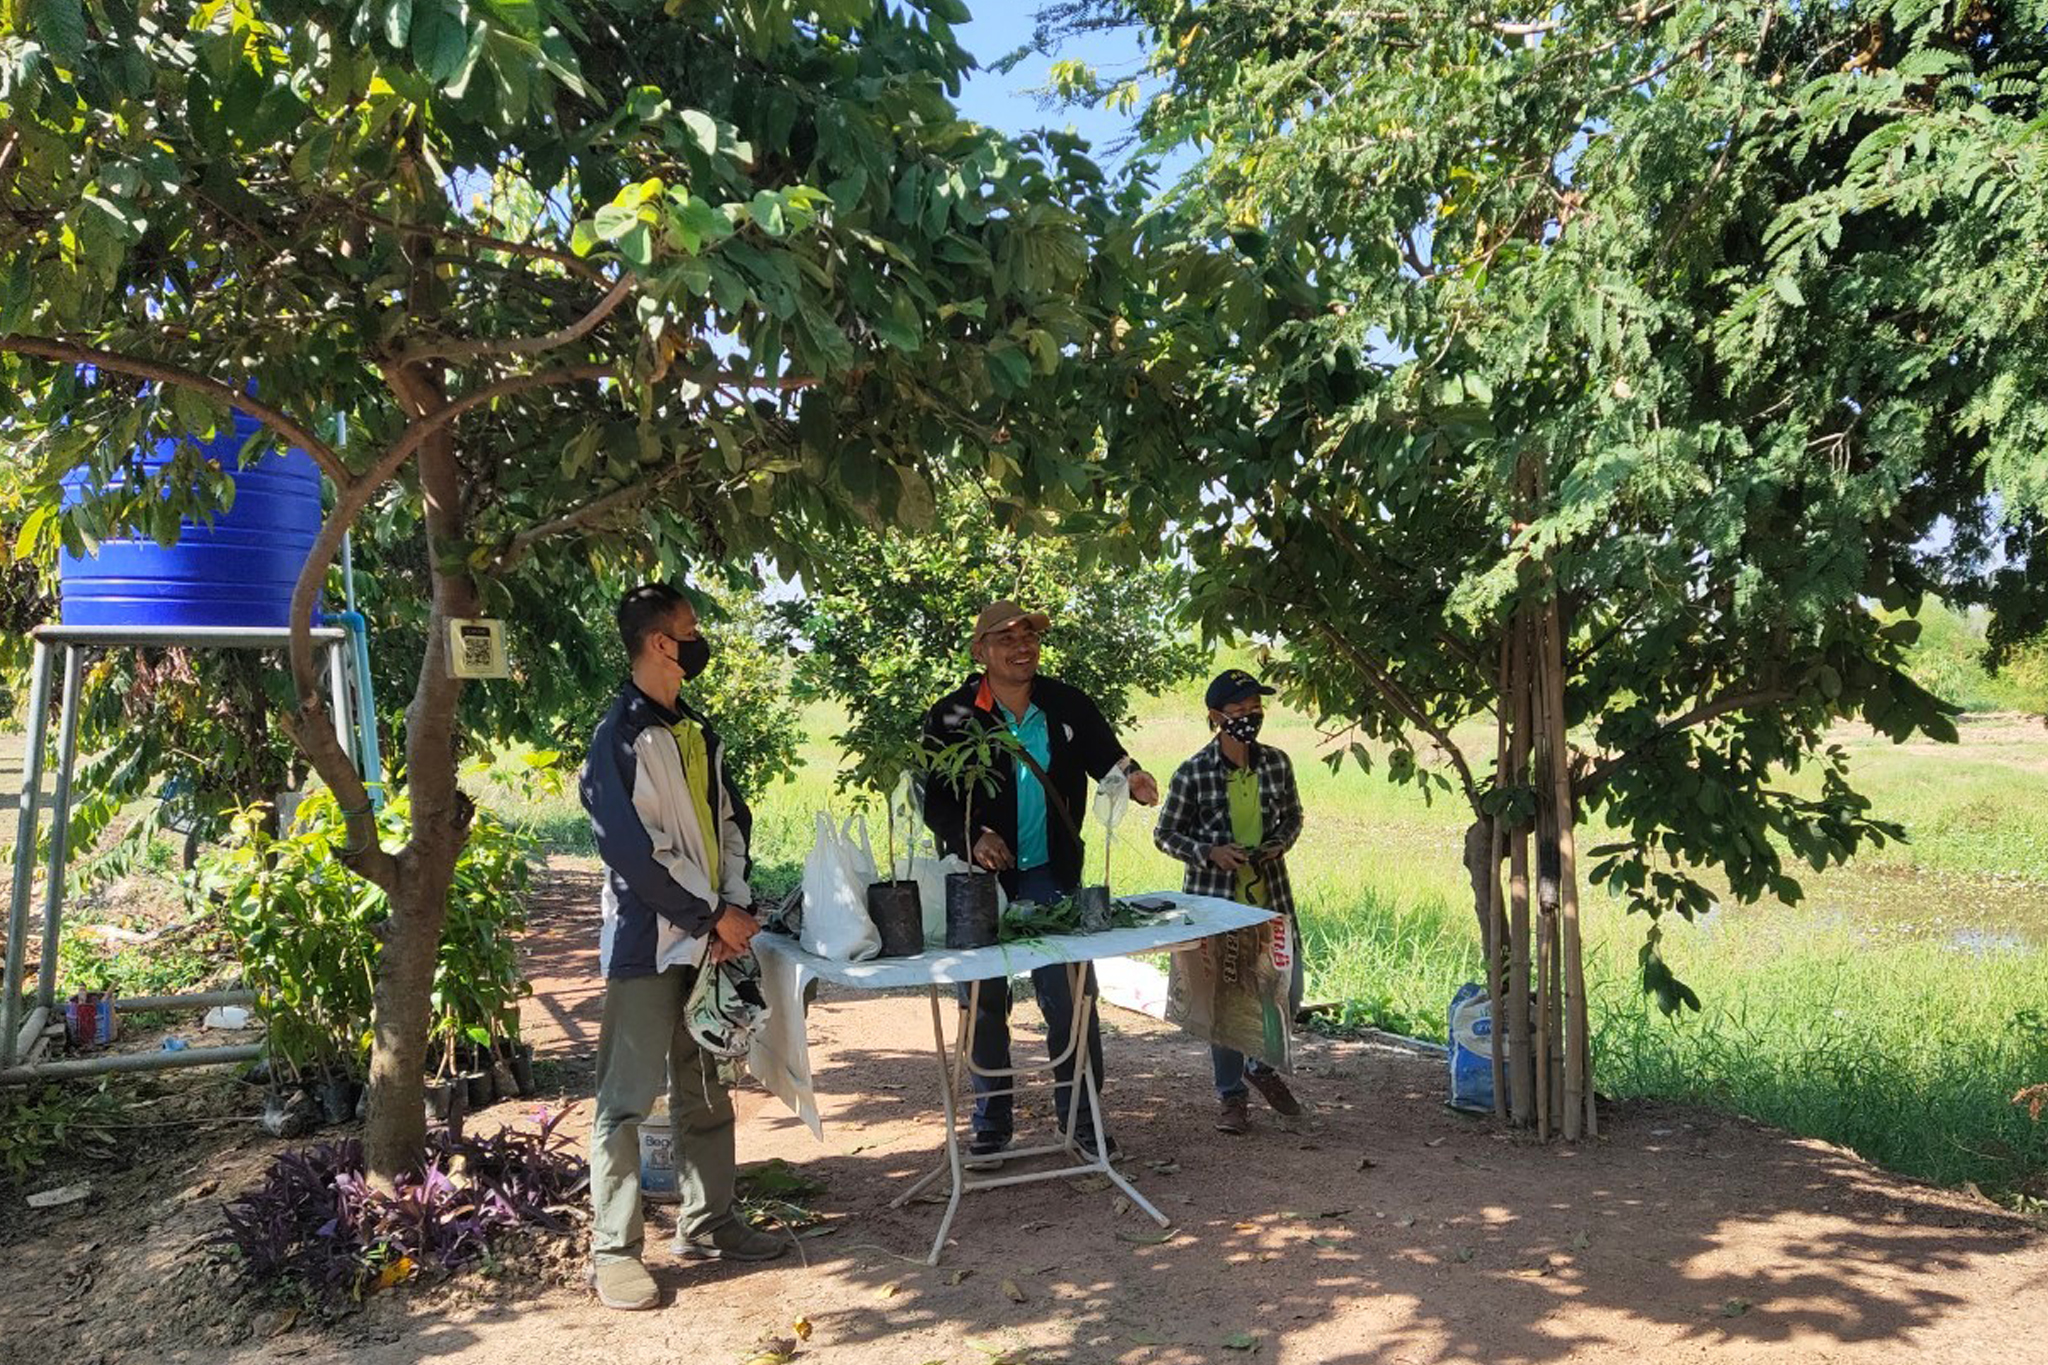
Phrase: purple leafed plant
(316, 1220)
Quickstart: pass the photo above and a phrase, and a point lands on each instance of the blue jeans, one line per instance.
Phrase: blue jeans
(994, 1115)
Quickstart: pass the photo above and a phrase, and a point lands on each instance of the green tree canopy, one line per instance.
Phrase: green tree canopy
(887, 618)
(569, 271)
(1704, 321)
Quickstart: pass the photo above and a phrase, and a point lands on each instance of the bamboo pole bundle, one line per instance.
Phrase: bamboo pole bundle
(1521, 1049)
(1534, 951)
(1496, 936)
(1577, 1101)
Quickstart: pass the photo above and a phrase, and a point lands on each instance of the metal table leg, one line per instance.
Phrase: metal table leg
(950, 1081)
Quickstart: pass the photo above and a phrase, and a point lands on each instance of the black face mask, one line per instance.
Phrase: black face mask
(1244, 728)
(692, 656)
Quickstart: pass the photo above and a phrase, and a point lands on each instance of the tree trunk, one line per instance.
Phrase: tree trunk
(395, 1128)
(394, 1137)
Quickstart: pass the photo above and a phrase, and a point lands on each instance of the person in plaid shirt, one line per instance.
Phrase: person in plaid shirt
(1231, 813)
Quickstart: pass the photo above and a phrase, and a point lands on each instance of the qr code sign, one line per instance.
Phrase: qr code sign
(477, 649)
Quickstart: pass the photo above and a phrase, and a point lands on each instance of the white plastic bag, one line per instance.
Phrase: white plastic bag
(1112, 803)
(930, 871)
(930, 875)
(1112, 799)
(836, 877)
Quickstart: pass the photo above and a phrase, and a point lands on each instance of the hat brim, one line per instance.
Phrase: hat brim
(1037, 620)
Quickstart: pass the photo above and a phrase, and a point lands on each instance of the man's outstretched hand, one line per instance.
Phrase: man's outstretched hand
(731, 933)
(991, 853)
(1144, 789)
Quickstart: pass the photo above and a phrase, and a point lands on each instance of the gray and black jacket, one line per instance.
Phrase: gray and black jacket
(658, 897)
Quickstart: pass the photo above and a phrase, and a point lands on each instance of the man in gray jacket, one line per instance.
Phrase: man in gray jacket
(673, 836)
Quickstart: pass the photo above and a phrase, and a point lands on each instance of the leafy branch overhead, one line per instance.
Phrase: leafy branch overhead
(650, 283)
(1754, 289)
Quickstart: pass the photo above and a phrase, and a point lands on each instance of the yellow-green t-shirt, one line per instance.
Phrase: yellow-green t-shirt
(1247, 830)
(696, 755)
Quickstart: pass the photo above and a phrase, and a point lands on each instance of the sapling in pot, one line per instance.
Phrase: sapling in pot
(1112, 803)
(893, 902)
(970, 764)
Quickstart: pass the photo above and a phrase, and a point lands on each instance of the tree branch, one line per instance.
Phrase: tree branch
(531, 250)
(575, 331)
(1399, 699)
(48, 348)
(1682, 55)
(1706, 711)
(366, 854)
(590, 511)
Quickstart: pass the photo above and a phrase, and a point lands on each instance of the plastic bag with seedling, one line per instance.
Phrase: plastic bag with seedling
(1112, 804)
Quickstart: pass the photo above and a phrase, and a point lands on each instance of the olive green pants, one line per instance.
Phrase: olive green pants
(643, 1044)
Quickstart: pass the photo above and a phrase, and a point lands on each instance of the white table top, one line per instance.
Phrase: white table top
(1191, 919)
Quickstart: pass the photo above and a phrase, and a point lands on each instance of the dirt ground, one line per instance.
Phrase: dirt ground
(1387, 1230)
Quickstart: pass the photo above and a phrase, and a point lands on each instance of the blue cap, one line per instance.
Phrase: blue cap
(1234, 684)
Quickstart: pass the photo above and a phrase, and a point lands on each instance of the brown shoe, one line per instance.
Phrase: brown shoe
(1269, 1084)
(733, 1241)
(623, 1284)
(1232, 1118)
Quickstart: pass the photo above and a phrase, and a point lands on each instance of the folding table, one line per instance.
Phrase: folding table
(787, 971)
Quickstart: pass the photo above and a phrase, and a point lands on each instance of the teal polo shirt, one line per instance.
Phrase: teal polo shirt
(1031, 733)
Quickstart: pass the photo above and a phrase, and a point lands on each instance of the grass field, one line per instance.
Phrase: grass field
(1895, 1012)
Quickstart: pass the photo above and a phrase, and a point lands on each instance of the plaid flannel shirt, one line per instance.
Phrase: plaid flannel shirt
(1196, 817)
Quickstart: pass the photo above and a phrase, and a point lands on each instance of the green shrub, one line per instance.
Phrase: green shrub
(38, 1122)
(305, 931)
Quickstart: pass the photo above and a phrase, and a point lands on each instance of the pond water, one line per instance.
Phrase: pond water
(1979, 916)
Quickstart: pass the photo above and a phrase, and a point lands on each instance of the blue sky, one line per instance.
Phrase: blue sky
(1005, 101)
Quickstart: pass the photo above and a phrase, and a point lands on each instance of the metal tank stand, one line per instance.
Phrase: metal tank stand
(17, 1034)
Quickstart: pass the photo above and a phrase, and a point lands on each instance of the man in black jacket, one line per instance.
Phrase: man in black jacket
(1028, 835)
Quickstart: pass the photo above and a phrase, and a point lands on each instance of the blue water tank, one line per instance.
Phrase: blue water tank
(239, 571)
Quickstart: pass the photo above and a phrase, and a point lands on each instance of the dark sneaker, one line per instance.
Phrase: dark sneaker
(1231, 1116)
(735, 1241)
(985, 1151)
(1086, 1142)
(623, 1284)
(1269, 1084)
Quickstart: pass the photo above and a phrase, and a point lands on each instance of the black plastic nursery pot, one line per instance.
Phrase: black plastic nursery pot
(972, 911)
(477, 1089)
(442, 1104)
(519, 1057)
(1093, 904)
(337, 1095)
(898, 912)
(290, 1113)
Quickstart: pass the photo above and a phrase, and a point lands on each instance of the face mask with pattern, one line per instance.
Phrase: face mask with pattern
(1244, 728)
